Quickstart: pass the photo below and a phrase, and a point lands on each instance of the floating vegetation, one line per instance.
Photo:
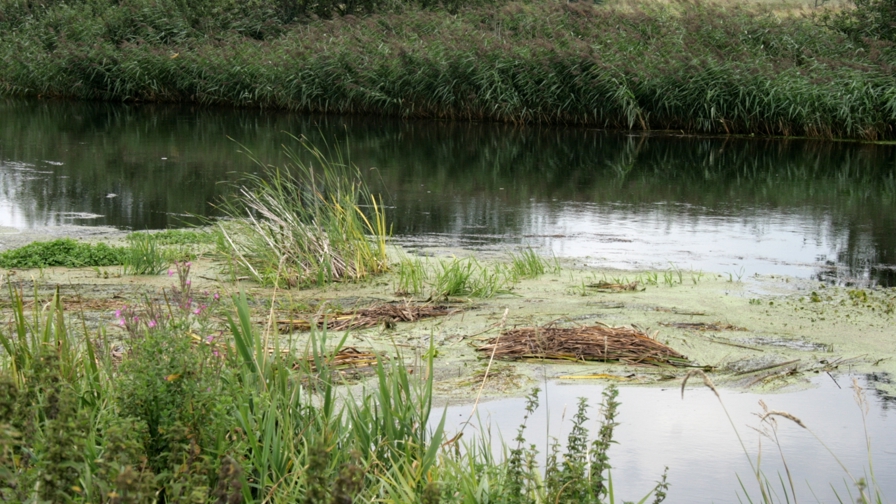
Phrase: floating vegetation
(590, 343)
(385, 314)
(346, 357)
(703, 326)
(604, 286)
(792, 344)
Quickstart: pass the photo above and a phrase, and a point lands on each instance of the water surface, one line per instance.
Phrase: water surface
(694, 438)
(732, 206)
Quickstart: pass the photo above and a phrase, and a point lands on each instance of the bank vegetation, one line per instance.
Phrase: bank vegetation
(682, 66)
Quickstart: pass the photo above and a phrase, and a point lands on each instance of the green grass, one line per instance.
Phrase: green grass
(467, 277)
(412, 276)
(527, 264)
(304, 224)
(685, 67)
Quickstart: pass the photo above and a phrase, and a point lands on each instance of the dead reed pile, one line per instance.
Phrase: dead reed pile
(385, 314)
(595, 343)
(347, 357)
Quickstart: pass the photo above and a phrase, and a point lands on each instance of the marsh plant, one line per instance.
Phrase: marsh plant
(455, 277)
(528, 264)
(729, 68)
(144, 254)
(305, 223)
(467, 277)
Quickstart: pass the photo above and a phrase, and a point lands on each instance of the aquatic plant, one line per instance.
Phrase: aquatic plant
(528, 264)
(304, 224)
(143, 256)
(177, 410)
(64, 252)
(176, 237)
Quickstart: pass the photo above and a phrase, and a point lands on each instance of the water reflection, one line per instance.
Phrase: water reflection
(805, 208)
(693, 437)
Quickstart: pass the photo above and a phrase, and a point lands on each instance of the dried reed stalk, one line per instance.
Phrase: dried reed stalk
(384, 314)
(348, 357)
(596, 343)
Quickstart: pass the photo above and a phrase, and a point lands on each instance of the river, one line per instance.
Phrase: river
(732, 206)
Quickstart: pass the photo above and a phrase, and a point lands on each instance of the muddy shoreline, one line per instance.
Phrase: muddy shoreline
(762, 333)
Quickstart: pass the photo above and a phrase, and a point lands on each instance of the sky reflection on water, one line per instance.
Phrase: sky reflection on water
(693, 437)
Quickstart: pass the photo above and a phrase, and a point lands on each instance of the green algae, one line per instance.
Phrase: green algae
(761, 333)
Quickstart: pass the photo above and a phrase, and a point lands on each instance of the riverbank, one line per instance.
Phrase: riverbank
(684, 67)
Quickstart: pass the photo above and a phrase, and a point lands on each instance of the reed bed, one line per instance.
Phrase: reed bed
(387, 314)
(589, 343)
(683, 67)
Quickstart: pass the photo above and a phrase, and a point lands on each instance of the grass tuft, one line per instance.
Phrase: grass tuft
(305, 224)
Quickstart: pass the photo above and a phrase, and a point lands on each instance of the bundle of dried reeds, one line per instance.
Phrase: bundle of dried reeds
(387, 314)
(597, 343)
(347, 357)
(604, 286)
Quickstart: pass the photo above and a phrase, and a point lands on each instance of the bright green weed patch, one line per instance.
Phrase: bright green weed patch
(65, 252)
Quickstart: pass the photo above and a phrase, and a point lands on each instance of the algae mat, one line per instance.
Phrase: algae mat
(762, 333)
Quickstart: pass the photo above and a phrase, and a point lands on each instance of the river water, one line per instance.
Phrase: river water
(693, 437)
(735, 206)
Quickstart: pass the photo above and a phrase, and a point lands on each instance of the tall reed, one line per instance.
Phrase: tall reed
(682, 67)
(305, 223)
